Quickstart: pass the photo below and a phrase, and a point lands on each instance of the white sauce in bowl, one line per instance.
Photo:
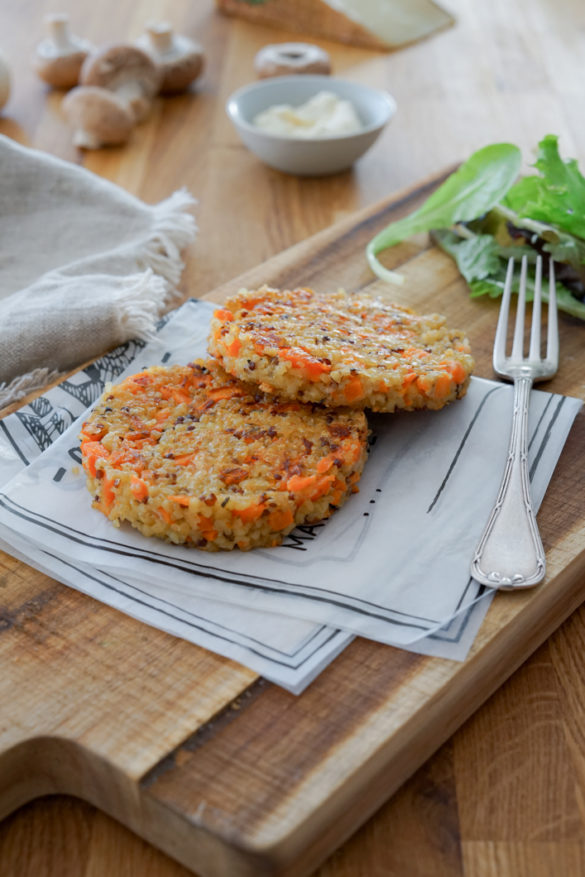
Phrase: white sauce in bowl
(324, 115)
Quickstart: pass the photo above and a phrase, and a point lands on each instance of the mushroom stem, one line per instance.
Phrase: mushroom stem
(132, 94)
(160, 36)
(82, 139)
(59, 31)
(179, 58)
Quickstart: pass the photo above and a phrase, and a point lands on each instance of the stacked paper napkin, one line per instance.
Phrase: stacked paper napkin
(391, 565)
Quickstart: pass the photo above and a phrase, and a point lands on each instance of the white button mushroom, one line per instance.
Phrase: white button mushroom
(180, 58)
(98, 117)
(4, 81)
(59, 58)
(128, 72)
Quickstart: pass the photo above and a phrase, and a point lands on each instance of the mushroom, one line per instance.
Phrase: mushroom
(127, 71)
(180, 58)
(59, 58)
(98, 117)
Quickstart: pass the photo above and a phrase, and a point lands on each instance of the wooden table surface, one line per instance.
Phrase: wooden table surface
(506, 795)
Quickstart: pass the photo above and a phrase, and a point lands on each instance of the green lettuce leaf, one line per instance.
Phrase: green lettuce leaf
(483, 263)
(557, 196)
(472, 190)
(482, 216)
(477, 257)
(494, 287)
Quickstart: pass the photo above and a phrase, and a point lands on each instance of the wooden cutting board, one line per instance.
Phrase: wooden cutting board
(229, 774)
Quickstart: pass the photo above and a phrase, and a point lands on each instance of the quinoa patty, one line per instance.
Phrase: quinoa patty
(340, 349)
(191, 455)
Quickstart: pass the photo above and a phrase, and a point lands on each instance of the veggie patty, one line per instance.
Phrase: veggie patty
(339, 349)
(191, 455)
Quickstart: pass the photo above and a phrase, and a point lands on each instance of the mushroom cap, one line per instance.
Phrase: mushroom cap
(98, 116)
(58, 58)
(179, 75)
(180, 58)
(114, 66)
(60, 71)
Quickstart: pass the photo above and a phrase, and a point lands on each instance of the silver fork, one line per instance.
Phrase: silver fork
(509, 554)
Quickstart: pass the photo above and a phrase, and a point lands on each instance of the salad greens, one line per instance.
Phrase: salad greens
(483, 214)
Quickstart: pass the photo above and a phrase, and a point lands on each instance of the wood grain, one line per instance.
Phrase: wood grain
(500, 74)
(272, 783)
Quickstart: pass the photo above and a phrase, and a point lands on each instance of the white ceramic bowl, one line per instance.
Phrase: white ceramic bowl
(315, 157)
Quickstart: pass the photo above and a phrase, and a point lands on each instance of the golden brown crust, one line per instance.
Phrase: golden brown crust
(191, 455)
(340, 349)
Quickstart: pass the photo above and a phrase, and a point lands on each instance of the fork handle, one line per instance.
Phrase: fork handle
(509, 554)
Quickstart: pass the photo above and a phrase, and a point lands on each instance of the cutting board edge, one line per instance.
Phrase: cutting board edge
(59, 764)
(330, 824)
(264, 856)
(540, 624)
(369, 214)
(350, 803)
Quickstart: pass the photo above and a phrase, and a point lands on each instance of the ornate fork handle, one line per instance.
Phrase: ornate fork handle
(510, 553)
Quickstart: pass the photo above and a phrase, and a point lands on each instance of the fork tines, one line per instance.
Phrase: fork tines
(501, 362)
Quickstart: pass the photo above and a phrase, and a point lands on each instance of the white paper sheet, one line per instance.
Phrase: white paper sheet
(391, 565)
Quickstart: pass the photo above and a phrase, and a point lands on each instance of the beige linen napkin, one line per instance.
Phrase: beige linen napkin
(84, 265)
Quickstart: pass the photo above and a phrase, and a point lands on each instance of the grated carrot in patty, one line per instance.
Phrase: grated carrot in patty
(181, 499)
(310, 366)
(353, 390)
(250, 513)
(280, 519)
(443, 386)
(223, 314)
(298, 483)
(139, 488)
(233, 347)
(225, 466)
(91, 452)
(108, 494)
(335, 348)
